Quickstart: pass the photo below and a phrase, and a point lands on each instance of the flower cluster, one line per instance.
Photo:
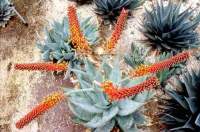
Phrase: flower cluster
(48, 103)
(118, 30)
(115, 93)
(159, 66)
(77, 37)
(41, 67)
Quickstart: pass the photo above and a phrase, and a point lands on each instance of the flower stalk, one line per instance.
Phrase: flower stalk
(41, 67)
(77, 37)
(115, 93)
(117, 30)
(159, 66)
(49, 102)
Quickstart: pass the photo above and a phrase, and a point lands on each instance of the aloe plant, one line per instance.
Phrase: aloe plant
(58, 47)
(93, 109)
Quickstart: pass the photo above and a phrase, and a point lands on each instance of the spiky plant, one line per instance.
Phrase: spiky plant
(136, 56)
(182, 111)
(6, 12)
(81, 2)
(99, 112)
(109, 10)
(58, 46)
(167, 28)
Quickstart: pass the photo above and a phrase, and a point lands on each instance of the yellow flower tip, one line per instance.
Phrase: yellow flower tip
(49, 102)
(124, 11)
(78, 40)
(140, 71)
(54, 98)
(106, 85)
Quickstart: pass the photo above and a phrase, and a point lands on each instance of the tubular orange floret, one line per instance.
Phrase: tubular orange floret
(41, 67)
(48, 103)
(115, 93)
(77, 37)
(159, 66)
(140, 71)
(118, 30)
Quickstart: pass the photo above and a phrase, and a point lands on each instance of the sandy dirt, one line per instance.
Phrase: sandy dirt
(21, 91)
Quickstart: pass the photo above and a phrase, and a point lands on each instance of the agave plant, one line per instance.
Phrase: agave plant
(182, 110)
(93, 108)
(81, 2)
(57, 46)
(167, 28)
(6, 12)
(109, 10)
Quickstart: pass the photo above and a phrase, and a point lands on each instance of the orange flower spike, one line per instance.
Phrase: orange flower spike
(48, 103)
(41, 67)
(116, 94)
(77, 37)
(118, 30)
(159, 66)
(181, 57)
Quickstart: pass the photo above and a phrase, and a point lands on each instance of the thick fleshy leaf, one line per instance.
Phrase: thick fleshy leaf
(193, 104)
(68, 56)
(187, 126)
(107, 127)
(102, 99)
(197, 121)
(127, 125)
(180, 99)
(115, 75)
(144, 96)
(79, 113)
(107, 70)
(170, 118)
(90, 69)
(85, 104)
(45, 55)
(125, 122)
(99, 121)
(128, 106)
(138, 118)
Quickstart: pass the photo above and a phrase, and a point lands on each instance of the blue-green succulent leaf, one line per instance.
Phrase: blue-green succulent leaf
(99, 121)
(127, 107)
(107, 127)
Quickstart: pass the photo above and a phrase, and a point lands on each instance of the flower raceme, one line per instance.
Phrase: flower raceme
(41, 67)
(115, 93)
(46, 104)
(159, 66)
(77, 37)
(118, 30)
